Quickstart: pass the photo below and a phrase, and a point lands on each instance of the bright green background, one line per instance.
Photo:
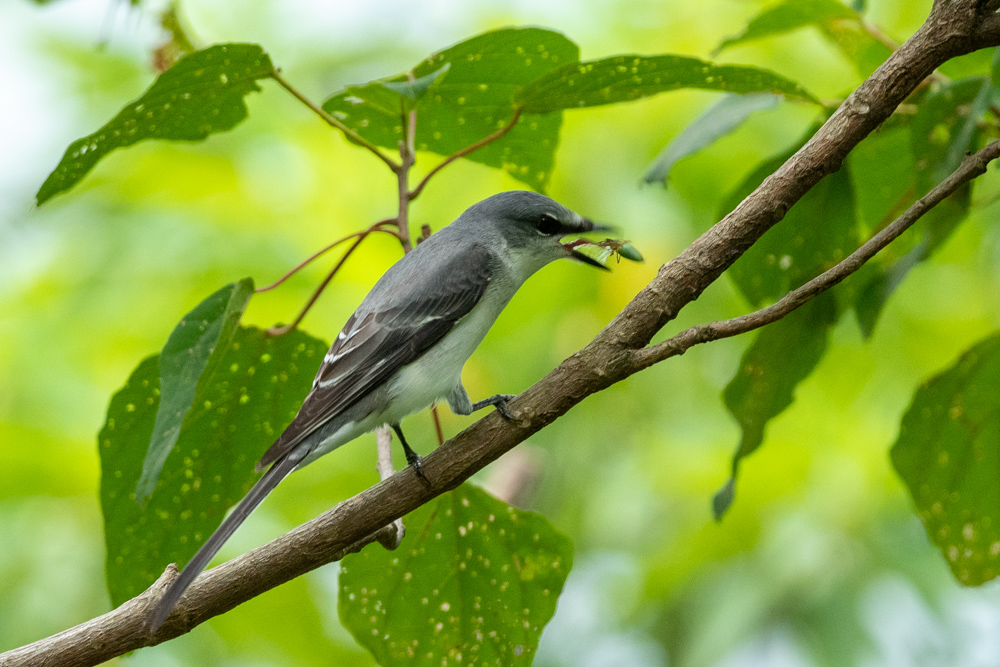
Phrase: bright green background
(819, 561)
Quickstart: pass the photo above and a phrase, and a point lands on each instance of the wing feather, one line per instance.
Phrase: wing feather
(374, 345)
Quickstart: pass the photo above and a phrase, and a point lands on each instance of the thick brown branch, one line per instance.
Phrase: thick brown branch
(955, 27)
(972, 166)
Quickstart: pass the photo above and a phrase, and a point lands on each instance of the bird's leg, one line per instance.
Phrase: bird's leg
(498, 401)
(460, 404)
(411, 456)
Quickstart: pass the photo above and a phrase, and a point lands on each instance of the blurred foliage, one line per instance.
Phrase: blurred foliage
(179, 42)
(721, 119)
(781, 356)
(842, 25)
(819, 561)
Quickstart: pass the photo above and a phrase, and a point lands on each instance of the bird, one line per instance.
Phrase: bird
(404, 347)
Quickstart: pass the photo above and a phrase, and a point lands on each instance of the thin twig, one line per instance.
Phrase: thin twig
(407, 157)
(971, 167)
(374, 228)
(278, 331)
(437, 424)
(351, 135)
(465, 151)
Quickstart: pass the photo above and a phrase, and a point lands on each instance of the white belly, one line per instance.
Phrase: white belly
(439, 370)
(428, 379)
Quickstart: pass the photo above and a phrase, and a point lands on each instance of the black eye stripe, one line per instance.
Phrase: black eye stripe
(548, 225)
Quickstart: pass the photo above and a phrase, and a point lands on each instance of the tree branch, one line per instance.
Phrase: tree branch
(972, 167)
(954, 28)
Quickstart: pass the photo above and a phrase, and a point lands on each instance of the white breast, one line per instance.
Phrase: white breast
(439, 370)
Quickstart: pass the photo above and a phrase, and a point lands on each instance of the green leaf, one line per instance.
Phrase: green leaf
(857, 44)
(943, 129)
(841, 24)
(816, 233)
(187, 363)
(976, 64)
(941, 132)
(473, 583)
(630, 77)
(787, 16)
(474, 99)
(417, 88)
(783, 355)
(259, 387)
(882, 173)
(721, 119)
(203, 93)
(948, 454)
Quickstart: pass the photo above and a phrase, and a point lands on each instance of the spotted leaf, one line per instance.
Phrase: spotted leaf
(201, 94)
(838, 22)
(473, 583)
(948, 454)
(473, 99)
(258, 388)
(631, 77)
(187, 362)
(790, 15)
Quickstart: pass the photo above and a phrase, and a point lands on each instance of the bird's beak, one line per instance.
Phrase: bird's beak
(580, 257)
(591, 226)
(586, 226)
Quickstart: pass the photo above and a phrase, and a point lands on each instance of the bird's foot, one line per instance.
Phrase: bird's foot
(414, 460)
(411, 456)
(499, 402)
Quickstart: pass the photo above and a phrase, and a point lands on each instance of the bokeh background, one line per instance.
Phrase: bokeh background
(820, 561)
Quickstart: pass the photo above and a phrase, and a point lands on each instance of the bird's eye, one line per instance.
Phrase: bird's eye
(547, 225)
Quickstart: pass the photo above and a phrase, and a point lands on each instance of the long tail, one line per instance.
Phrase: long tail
(200, 561)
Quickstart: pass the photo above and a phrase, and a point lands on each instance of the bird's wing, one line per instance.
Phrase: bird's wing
(373, 345)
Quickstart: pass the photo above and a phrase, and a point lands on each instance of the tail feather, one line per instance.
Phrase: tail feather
(200, 561)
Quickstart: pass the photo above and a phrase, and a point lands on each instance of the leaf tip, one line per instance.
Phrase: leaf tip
(723, 498)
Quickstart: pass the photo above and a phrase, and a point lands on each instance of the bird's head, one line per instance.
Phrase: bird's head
(532, 227)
